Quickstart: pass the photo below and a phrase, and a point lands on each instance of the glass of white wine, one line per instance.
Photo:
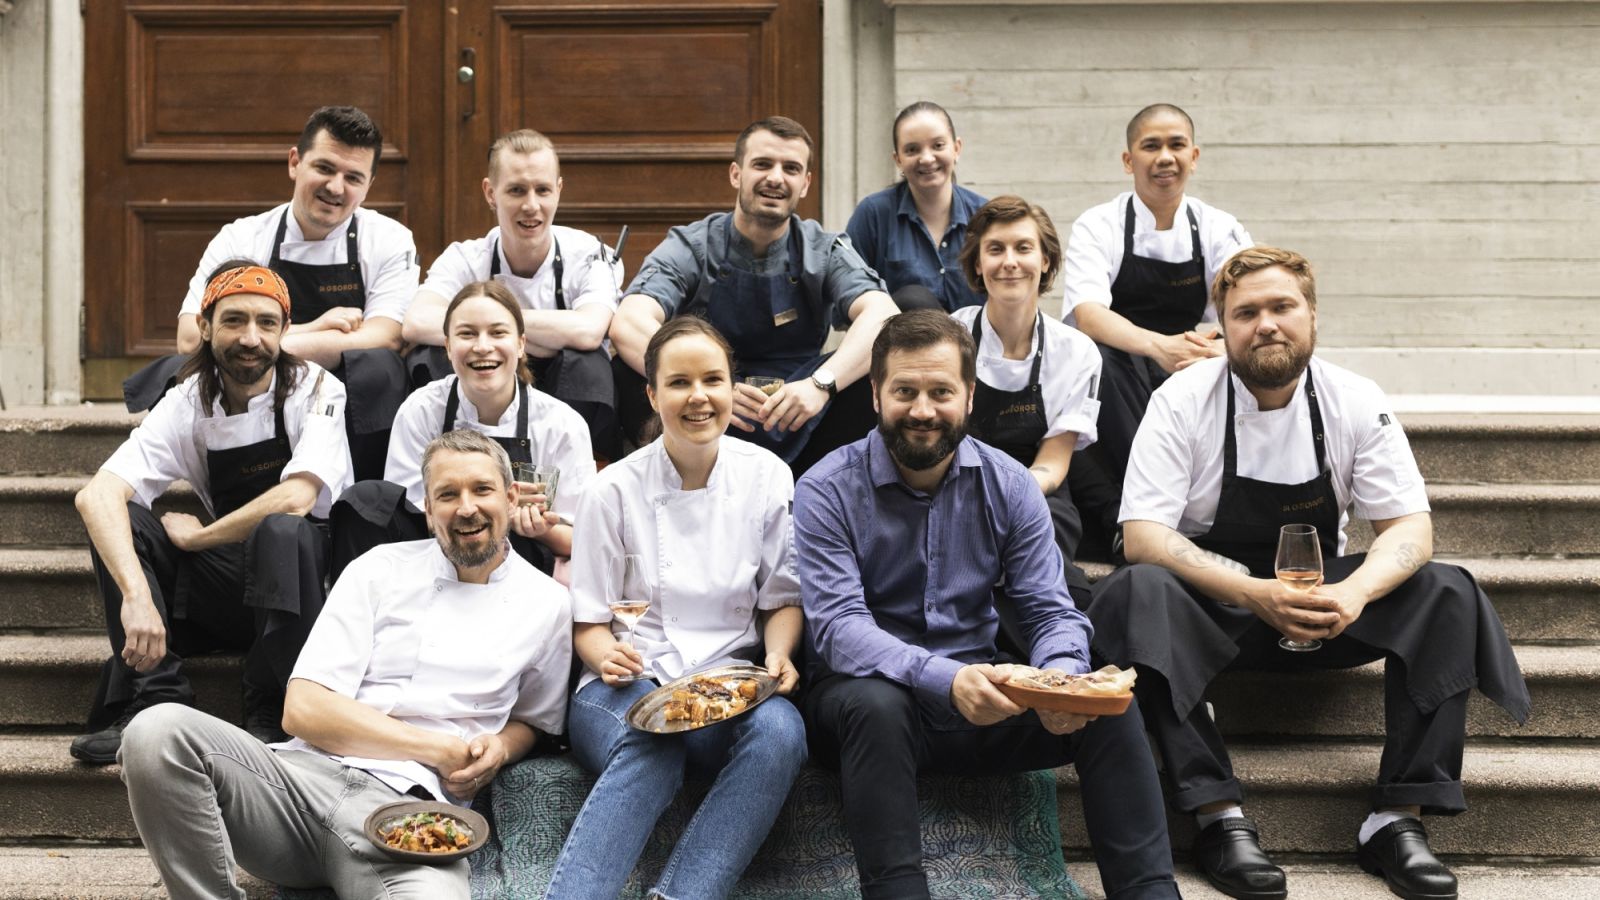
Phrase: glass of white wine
(628, 608)
(1299, 568)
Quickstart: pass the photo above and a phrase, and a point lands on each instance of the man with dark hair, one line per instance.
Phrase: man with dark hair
(350, 270)
(901, 539)
(1232, 452)
(775, 285)
(259, 435)
(436, 663)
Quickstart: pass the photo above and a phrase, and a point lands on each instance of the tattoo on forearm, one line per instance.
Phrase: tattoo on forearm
(1185, 551)
(1409, 556)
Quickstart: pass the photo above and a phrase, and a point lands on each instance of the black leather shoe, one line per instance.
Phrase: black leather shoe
(99, 748)
(1400, 853)
(263, 715)
(1229, 855)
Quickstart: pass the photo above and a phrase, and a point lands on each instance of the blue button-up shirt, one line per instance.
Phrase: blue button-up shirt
(900, 584)
(893, 239)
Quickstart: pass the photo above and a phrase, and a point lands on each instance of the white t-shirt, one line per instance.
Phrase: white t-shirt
(709, 558)
(557, 436)
(1069, 377)
(586, 277)
(1175, 467)
(1094, 250)
(389, 264)
(171, 443)
(403, 635)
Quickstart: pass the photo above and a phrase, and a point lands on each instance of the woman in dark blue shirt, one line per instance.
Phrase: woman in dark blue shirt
(912, 232)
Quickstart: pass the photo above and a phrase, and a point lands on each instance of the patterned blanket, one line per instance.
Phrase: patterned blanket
(983, 837)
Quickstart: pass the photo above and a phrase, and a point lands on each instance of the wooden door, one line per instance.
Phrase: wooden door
(191, 107)
(642, 98)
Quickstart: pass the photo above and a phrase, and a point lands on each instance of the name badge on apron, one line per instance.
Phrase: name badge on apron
(785, 317)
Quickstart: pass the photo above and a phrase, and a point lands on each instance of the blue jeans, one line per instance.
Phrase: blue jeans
(755, 757)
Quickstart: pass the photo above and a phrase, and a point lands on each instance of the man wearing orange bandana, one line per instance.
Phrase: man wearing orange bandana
(351, 272)
(259, 435)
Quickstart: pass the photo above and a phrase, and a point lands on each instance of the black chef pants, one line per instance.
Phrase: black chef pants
(249, 598)
(872, 730)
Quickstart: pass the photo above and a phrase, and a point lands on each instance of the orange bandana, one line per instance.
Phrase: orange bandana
(247, 280)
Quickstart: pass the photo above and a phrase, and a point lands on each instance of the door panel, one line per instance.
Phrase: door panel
(191, 107)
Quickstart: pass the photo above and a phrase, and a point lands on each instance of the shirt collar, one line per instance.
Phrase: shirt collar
(505, 264)
(1245, 402)
(444, 570)
(260, 401)
(507, 418)
(293, 235)
(1142, 214)
(672, 481)
(882, 469)
(961, 208)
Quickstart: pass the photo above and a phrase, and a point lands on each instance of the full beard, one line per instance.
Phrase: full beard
(466, 557)
(918, 457)
(244, 372)
(1274, 366)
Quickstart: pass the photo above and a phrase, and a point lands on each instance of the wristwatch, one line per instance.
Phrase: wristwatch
(825, 382)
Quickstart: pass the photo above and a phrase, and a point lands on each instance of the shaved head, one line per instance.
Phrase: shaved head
(1150, 112)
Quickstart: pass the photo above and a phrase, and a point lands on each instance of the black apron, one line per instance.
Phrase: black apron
(1010, 421)
(519, 448)
(1445, 647)
(772, 328)
(313, 290)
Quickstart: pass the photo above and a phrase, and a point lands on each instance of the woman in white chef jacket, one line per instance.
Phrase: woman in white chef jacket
(708, 517)
(489, 392)
(1035, 397)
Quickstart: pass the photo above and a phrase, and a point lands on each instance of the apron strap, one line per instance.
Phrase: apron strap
(1230, 462)
(352, 254)
(450, 406)
(1038, 355)
(1194, 235)
(558, 269)
(277, 240)
(1127, 232)
(522, 412)
(1230, 453)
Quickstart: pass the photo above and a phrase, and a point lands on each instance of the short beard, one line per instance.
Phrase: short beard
(1277, 369)
(761, 217)
(464, 558)
(244, 374)
(914, 456)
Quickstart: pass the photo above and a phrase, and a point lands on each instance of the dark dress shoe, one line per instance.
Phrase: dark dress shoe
(1400, 853)
(1229, 855)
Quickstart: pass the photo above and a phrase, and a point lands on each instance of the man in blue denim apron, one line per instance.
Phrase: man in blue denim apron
(774, 285)
(351, 272)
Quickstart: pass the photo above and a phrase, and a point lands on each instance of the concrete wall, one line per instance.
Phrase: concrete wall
(41, 200)
(1436, 160)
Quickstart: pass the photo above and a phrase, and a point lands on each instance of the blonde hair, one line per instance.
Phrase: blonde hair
(523, 140)
(1254, 259)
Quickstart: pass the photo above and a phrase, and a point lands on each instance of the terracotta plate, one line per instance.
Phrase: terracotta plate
(387, 816)
(1061, 701)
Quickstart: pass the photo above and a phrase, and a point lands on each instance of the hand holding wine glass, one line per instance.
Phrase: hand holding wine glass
(628, 608)
(1299, 568)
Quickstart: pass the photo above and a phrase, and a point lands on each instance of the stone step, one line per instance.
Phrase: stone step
(108, 872)
(1527, 800)
(61, 440)
(49, 680)
(1533, 801)
(1507, 520)
(48, 588)
(38, 510)
(1507, 448)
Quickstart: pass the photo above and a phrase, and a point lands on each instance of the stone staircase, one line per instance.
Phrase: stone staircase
(1515, 501)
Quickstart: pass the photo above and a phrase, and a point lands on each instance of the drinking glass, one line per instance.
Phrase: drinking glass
(628, 608)
(1299, 568)
(764, 383)
(545, 478)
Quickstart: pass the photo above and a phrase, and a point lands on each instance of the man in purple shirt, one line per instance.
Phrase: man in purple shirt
(902, 538)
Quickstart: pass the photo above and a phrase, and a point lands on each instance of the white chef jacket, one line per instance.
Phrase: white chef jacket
(1094, 250)
(403, 635)
(585, 277)
(1069, 377)
(389, 264)
(710, 558)
(1175, 466)
(557, 436)
(171, 443)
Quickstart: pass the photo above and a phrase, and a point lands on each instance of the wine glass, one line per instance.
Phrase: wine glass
(626, 608)
(524, 474)
(1299, 568)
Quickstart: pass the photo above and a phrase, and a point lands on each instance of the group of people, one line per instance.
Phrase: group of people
(881, 527)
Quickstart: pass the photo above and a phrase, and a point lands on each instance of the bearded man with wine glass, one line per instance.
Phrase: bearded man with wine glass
(1232, 450)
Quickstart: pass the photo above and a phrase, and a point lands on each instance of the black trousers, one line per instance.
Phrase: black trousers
(1422, 752)
(872, 730)
(1126, 383)
(249, 597)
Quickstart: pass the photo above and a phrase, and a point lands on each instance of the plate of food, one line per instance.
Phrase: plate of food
(426, 831)
(1106, 692)
(704, 698)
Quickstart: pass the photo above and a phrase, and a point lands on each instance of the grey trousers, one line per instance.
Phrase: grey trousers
(206, 795)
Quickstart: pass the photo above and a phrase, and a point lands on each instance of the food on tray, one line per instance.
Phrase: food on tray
(706, 700)
(427, 833)
(1104, 682)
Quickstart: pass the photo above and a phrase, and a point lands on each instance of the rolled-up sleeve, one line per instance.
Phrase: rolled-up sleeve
(848, 278)
(671, 274)
(841, 627)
